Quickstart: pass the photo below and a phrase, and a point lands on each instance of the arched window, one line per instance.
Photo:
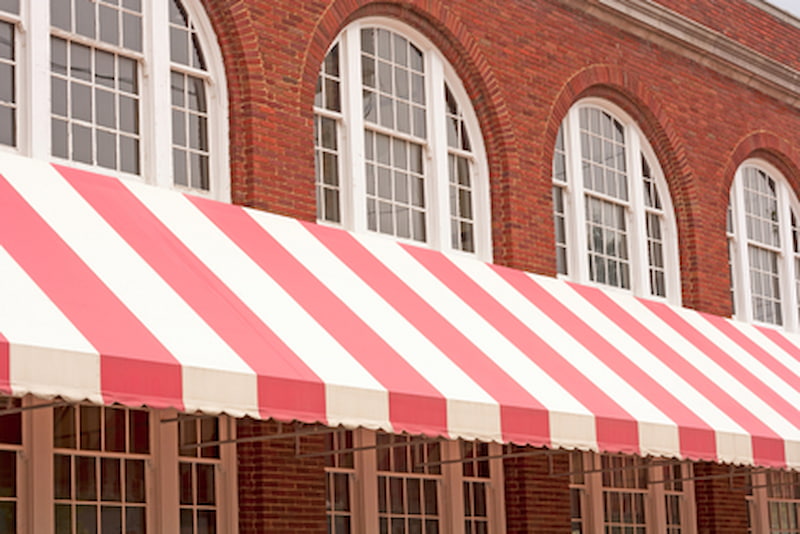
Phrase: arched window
(613, 216)
(117, 100)
(398, 147)
(763, 246)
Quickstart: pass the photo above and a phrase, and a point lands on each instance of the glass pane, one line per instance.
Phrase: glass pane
(81, 102)
(111, 479)
(107, 155)
(6, 82)
(134, 481)
(135, 521)
(179, 45)
(11, 426)
(10, 6)
(209, 432)
(62, 476)
(82, 151)
(63, 519)
(90, 428)
(109, 24)
(60, 14)
(129, 154)
(132, 31)
(206, 493)
(187, 483)
(206, 522)
(139, 432)
(84, 17)
(60, 148)
(115, 430)
(8, 517)
(8, 126)
(111, 519)
(8, 474)
(86, 519)
(187, 521)
(85, 478)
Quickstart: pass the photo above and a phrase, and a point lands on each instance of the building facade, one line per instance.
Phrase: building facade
(645, 147)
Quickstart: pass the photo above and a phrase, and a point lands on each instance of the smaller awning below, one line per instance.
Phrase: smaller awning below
(113, 291)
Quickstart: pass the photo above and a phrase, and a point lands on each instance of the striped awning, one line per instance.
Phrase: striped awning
(114, 291)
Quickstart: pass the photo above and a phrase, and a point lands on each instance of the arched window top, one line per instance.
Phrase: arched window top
(398, 147)
(117, 101)
(763, 244)
(613, 218)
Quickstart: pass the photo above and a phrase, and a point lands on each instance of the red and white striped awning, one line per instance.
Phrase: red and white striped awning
(114, 291)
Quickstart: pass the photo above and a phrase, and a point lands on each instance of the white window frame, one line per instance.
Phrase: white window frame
(636, 144)
(32, 49)
(591, 497)
(364, 487)
(35, 472)
(738, 248)
(351, 142)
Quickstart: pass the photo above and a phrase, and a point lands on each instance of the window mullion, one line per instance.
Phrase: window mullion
(637, 227)
(595, 519)
(34, 120)
(165, 440)
(227, 500)
(760, 517)
(438, 208)
(742, 294)
(353, 191)
(451, 489)
(497, 516)
(575, 205)
(786, 269)
(656, 495)
(365, 485)
(155, 105)
(39, 438)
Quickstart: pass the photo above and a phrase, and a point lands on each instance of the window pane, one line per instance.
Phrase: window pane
(11, 424)
(10, 6)
(8, 474)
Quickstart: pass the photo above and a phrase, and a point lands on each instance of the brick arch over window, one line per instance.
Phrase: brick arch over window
(629, 92)
(763, 145)
(457, 44)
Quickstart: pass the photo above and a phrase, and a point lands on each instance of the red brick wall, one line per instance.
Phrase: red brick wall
(721, 505)
(537, 503)
(524, 63)
(279, 492)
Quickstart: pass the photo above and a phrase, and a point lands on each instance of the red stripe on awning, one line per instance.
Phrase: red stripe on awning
(288, 387)
(616, 428)
(524, 418)
(265, 358)
(129, 352)
(415, 406)
(766, 359)
(768, 447)
(780, 340)
(696, 437)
